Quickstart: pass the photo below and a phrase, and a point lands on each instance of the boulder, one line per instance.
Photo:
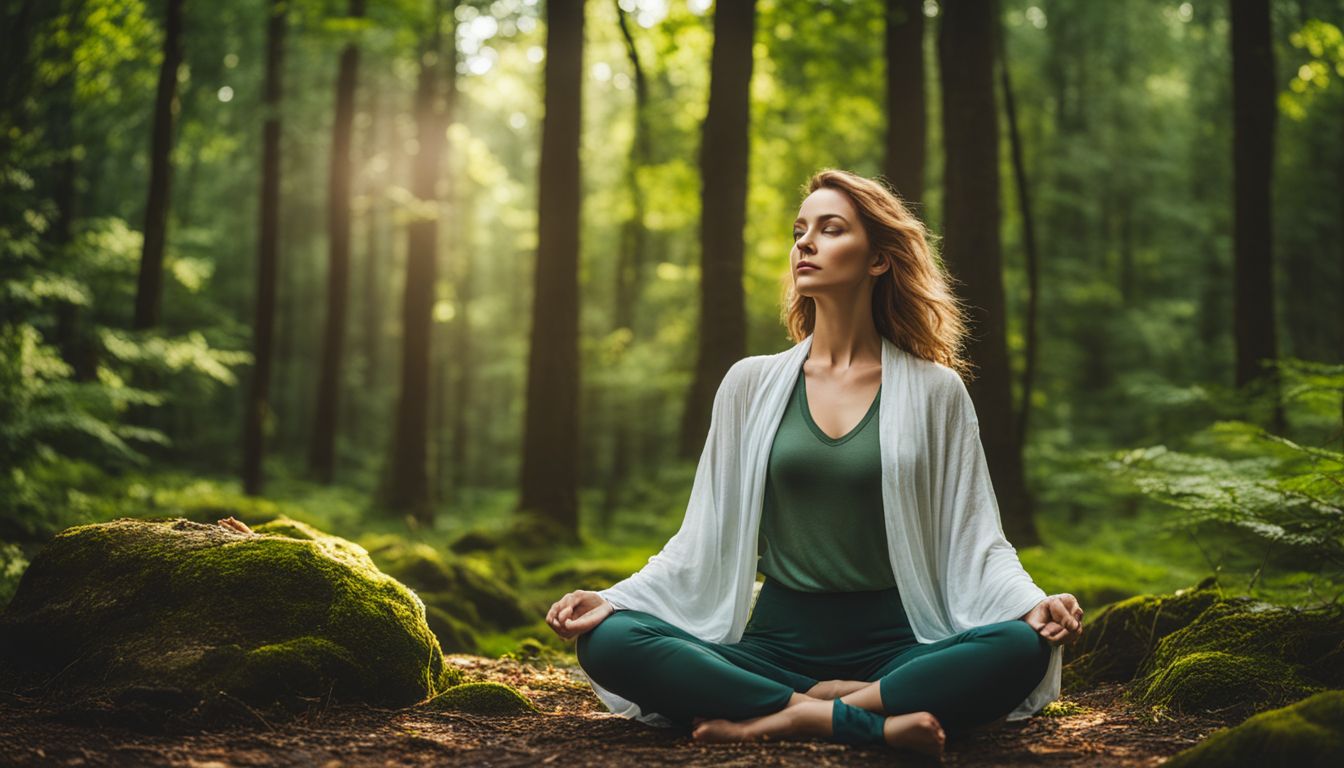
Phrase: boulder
(1242, 656)
(1308, 734)
(460, 587)
(195, 611)
(1121, 635)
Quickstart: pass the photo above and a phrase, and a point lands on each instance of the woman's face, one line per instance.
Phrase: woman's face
(830, 246)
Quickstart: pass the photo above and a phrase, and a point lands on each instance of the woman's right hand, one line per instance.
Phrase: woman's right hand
(577, 612)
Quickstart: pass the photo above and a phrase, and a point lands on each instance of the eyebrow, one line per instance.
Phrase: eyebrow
(824, 217)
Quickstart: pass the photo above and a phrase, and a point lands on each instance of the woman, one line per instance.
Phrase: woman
(863, 428)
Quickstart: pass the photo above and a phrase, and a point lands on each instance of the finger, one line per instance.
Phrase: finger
(1061, 614)
(583, 623)
(564, 613)
(1050, 630)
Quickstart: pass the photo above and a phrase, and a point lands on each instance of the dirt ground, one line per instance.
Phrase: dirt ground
(575, 730)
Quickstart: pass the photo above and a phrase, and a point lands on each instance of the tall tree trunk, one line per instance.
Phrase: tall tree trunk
(628, 283)
(449, 366)
(1253, 110)
(550, 470)
(263, 328)
(907, 113)
(1028, 238)
(322, 457)
(372, 282)
(407, 489)
(971, 242)
(149, 290)
(723, 202)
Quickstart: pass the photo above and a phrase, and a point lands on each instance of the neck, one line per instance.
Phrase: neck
(844, 334)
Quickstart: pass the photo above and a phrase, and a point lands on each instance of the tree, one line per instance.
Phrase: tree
(1028, 237)
(907, 113)
(322, 456)
(149, 293)
(406, 486)
(723, 202)
(628, 274)
(971, 240)
(263, 327)
(1253, 114)
(550, 451)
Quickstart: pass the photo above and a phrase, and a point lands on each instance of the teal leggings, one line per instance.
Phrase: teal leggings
(795, 640)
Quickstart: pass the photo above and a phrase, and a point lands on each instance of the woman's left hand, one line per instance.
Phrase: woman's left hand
(1057, 618)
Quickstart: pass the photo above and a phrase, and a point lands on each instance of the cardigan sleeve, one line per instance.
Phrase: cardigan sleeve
(983, 578)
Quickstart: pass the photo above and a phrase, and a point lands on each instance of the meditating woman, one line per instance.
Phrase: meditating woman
(848, 470)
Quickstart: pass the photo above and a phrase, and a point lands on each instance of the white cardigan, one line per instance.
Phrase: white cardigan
(954, 567)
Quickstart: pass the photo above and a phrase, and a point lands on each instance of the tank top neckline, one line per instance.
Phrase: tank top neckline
(817, 431)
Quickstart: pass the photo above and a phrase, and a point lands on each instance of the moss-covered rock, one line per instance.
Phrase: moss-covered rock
(483, 699)
(1307, 639)
(532, 539)
(1121, 635)
(461, 587)
(1242, 656)
(1308, 734)
(202, 609)
(1214, 681)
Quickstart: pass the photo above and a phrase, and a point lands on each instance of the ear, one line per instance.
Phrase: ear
(878, 266)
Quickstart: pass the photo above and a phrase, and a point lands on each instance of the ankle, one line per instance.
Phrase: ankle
(855, 725)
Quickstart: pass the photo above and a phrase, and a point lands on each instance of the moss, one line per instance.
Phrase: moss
(1063, 708)
(1308, 640)
(455, 636)
(1308, 733)
(1214, 681)
(1120, 636)
(483, 699)
(464, 588)
(201, 608)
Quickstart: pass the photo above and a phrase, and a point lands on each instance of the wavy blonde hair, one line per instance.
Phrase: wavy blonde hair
(913, 303)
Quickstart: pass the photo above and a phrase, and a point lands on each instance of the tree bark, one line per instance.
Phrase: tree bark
(971, 244)
(322, 456)
(550, 443)
(907, 114)
(1254, 111)
(149, 288)
(628, 282)
(723, 201)
(263, 328)
(1028, 238)
(407, 489)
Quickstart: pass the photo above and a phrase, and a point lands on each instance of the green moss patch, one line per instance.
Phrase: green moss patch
(269, 619)
(465, 595)
(483, 699)
(1120, 636)
(1308, 733)
(1242, 656)
(1214, 681)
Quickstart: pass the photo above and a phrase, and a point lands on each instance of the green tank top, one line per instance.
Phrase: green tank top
(823, 528)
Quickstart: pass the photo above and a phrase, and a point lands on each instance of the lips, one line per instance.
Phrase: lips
(804, 266)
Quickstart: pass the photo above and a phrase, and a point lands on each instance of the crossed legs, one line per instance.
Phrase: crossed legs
(726, 693)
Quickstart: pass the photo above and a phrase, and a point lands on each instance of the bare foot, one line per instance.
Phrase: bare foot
(721, 731)
(235, 524)
(834, 689)
(919, 731)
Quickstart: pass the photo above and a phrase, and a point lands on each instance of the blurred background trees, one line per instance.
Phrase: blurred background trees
(478, 263)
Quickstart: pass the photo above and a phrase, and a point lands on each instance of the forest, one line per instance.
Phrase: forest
(433, 299)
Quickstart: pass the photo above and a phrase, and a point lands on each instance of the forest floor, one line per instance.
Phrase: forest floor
(1099, 729)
